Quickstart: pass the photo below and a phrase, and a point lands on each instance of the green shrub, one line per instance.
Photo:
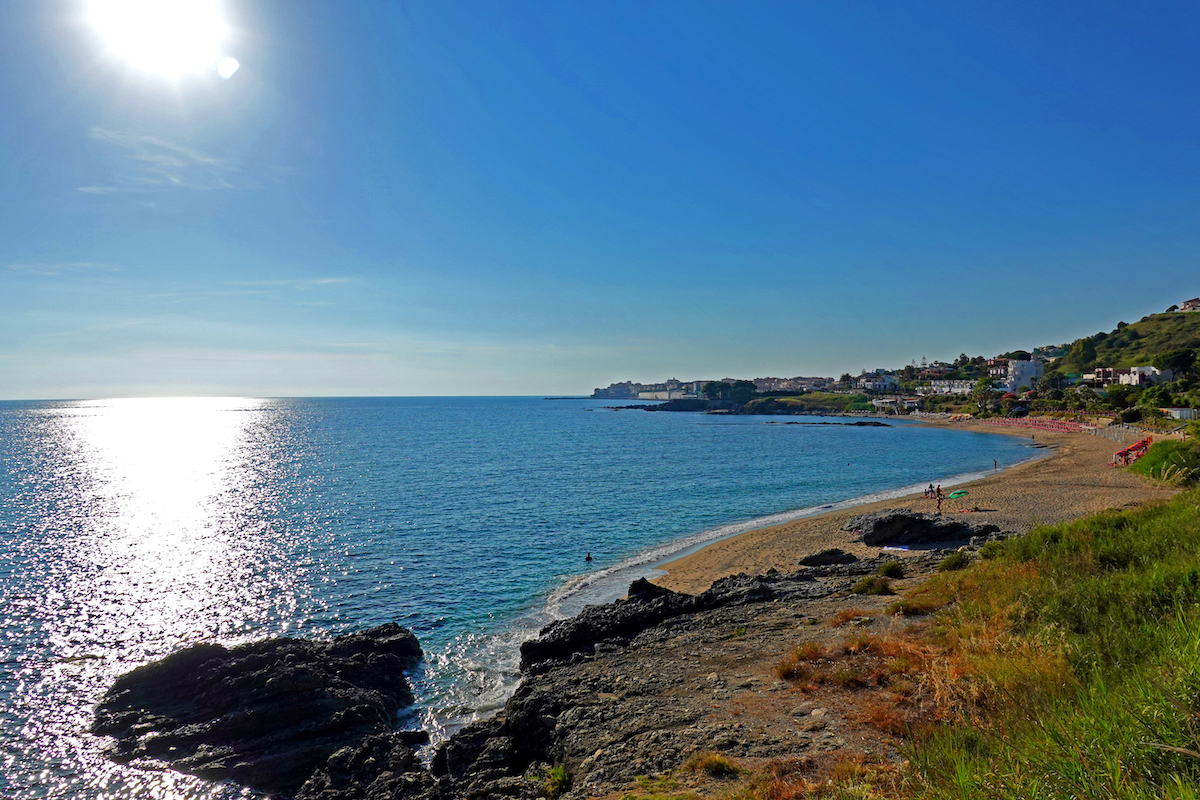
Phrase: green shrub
(557, 782)
(956, 560)
(873, 584)
(891, 569)
(991, 550)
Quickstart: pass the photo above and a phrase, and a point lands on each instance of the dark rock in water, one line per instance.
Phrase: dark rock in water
(646, 605)
(264, 714)
(834, 555)
(585, 704)
(898, 526)
(383, 766)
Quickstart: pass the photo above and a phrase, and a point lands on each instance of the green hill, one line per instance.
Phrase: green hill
(1135, 344)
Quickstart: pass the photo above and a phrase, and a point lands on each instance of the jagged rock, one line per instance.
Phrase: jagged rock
(834, 555)
(646, 606)
(899, 526)
(383, 767)
(264, 714)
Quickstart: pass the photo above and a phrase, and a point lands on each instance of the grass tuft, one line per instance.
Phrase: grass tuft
(714, 765)
(873, 584)
(891, 569)
(956, 560)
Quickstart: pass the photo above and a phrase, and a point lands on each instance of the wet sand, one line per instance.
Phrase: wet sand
(1074, 481)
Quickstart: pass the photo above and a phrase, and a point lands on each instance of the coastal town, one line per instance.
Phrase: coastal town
(1073, 376)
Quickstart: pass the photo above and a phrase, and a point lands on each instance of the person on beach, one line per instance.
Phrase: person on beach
(994, 464)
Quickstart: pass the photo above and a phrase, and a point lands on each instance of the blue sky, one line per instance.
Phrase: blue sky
(544, 197)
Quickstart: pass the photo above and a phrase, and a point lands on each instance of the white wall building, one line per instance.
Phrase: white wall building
(947, 387)
(1022, 373)
(1140, 376)
(877, 382)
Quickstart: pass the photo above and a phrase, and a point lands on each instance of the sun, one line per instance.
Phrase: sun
(168, 37)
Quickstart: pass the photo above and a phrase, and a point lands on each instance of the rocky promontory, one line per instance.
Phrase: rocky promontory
(264, 714)
(627, 689)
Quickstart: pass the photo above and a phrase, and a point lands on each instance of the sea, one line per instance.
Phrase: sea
(132, 528)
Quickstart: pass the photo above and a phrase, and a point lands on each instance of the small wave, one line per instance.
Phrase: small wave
(608, 584)
(480, 672)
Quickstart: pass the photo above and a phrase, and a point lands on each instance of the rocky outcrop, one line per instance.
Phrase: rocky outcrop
(625, 689)
(899, 526)
(834, 555)
(619, 691)
(264, 714)
(647, 605)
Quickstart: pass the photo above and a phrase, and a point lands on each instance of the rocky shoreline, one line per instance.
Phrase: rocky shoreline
(628, 689)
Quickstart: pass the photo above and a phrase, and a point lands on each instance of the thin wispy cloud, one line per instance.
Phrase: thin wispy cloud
(303, 284)
(64, 268)
(155, 164)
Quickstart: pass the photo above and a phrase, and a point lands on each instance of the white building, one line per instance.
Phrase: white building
(1140, 376)
(947, 387)
(878, 382)
(1129, 376)
(666, 394)
(1022, 373)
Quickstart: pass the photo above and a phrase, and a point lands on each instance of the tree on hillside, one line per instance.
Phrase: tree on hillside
(984, 394)
(741, 392)
(1178, 361)
(1081, 354)
(1018, 355)
(1119, 396)
(714, 390)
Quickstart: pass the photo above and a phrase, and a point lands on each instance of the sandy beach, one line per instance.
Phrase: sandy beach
(1074, 481)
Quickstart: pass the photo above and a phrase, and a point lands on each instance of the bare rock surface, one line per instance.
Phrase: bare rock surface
(893, 526)
(635, 687)
(628, 689)
(264, 714)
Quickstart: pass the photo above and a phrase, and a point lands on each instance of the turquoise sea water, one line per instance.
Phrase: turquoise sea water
(131, 528)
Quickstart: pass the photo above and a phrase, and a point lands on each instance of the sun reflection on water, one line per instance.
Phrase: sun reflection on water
(154, 538)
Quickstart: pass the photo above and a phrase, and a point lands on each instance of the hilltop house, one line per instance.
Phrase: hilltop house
(877, 381)
(1129, 376)
(1190, 305)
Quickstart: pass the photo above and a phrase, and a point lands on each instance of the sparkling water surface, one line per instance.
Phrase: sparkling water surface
(132, 528)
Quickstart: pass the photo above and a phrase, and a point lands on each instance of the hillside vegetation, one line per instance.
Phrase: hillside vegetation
(811, 403)
(1070, 663)
(1136, 344)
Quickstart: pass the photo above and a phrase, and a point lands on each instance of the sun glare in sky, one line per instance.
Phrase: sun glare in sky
(169, 37)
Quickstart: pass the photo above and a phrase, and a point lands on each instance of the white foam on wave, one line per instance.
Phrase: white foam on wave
(606, 585)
